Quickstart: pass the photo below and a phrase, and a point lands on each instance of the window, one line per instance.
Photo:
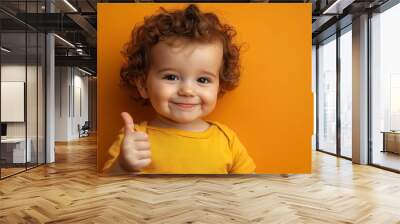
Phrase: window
(327, 95)
(385, 87)
(346, 93)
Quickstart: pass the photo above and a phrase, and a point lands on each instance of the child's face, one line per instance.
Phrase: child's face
(183, 79)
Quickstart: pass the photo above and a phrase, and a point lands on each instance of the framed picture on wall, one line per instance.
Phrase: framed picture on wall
(12, 101)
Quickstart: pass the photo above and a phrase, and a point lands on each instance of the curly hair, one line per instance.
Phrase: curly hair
(189, 23)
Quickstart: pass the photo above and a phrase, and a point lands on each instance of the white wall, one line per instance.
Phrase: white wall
(80, 102)
(71, 93)
(62, 78)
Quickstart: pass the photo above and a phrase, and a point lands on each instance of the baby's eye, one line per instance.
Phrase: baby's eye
(170, 77)
(204, 80)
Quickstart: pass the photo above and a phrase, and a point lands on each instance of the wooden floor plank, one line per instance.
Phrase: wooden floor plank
(70, 191)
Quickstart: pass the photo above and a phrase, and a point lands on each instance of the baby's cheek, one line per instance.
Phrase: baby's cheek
(162, 98)
(210, 103)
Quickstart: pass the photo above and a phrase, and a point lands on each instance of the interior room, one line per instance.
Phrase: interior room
(49, 126)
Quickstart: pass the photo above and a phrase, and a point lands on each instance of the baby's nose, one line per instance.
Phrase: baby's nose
(186, 90)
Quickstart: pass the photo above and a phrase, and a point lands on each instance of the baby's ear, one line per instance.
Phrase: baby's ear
(141, 86)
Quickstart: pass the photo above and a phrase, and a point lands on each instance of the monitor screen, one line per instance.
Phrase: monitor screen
(3, 129)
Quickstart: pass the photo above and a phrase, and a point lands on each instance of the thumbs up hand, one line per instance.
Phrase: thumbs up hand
(135, 152)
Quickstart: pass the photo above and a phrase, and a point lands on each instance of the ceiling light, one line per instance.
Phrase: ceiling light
(86, 72)
(337, 7)
(70, 5)
(5, 50)
(64, 40)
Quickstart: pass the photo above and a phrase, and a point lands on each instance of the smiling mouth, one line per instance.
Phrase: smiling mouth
(185, 105)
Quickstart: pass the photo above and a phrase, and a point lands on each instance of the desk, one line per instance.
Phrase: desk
(13, 150)
(391, 141)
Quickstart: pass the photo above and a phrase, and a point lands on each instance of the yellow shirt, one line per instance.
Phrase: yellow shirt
(216, 150)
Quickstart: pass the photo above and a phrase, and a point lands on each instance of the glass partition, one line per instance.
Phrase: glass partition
(14, 145)
(327, 95)
(385, 89)
(22, 90)
(32, 95)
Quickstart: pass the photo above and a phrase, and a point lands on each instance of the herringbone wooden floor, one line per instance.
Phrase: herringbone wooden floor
(70, 191)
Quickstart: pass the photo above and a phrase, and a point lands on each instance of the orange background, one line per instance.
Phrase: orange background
(271, 110)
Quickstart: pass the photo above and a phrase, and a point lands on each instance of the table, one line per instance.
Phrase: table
(13, 150)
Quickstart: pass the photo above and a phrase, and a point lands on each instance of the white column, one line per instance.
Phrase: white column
(360, 90)
(50, 110)
(50, 92)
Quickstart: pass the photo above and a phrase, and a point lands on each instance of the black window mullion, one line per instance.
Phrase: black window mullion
(37, 90)
(369, 90)
(37, 99)
(338, 91)
(26, 87)
(0, 98)
(45, 93)
(316, 97)
(44, 72)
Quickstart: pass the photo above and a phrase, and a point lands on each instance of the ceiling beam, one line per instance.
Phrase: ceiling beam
(84, 24)
(84, 61)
